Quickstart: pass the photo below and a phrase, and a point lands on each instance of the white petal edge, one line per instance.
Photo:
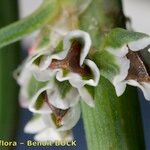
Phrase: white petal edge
(35, 125)
(118, 80)
(78, 34)
(71, 118)
(48, 120)
(119, 52)
(95, 72)
(23, 80)
(76, 80)
(71, 98)
(24, 100)
(39, 73)
(144, 86)
(139, 44)
(68, 121)
(134, 46)
(45, 109)
(86, 97)
(53, 135)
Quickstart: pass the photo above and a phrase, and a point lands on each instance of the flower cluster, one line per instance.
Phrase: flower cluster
(53, 82)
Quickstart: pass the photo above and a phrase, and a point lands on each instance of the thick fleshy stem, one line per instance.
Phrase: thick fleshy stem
(115, 122)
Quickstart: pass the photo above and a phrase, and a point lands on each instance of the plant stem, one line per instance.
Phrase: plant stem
(9, 60)
(114, 123)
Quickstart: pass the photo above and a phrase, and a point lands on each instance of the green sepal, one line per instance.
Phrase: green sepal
(63, 88)
(34, 86)
(40, 101)
(119, 37)
(106, 63)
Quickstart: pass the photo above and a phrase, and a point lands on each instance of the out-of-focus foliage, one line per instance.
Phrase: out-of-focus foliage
(9, 59)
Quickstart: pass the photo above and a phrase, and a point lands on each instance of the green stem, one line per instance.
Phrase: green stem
(114, 123)
(9, 60)
(16, 31)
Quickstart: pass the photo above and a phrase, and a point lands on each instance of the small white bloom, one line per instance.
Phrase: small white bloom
(37, 62)
(44, 132)
(124, 46)
(51, 94)
(53, 135)
(70, 65)
(45, 65)
(67, 122)
(59, 118)
(48, 100)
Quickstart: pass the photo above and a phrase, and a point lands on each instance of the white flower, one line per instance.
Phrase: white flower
(51, 94)
(70, 64)
(44, 103)
(124, 47)
(46, 132)
(46, 61)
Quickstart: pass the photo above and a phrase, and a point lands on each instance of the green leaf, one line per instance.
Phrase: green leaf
(16, 31)
(114, 123)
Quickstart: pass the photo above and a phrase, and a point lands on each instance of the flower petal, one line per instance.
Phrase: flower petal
(24, 98)
(144, 86)
(71, 118)
(124, 65)
(36, 124)
(117, 40)
(53, 135)
(87, 96)
(139, 44)
(38, 103)
(23, 76)
(81, 35)
(76, 80)
(38, 65)
(69, 100)
(95, 73)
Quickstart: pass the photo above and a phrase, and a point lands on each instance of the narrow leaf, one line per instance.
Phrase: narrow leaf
(16, 31)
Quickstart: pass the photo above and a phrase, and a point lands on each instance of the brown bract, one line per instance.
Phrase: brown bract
(138, 70)
(72, 61)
